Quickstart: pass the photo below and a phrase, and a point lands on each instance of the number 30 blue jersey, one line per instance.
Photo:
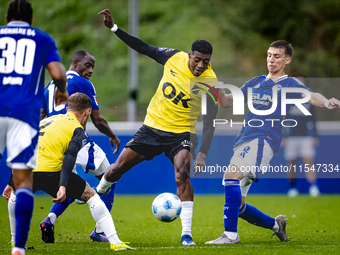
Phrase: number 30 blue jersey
(25, 51)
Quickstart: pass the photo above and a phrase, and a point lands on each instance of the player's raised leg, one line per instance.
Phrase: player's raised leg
(127, 159)
(182, 163)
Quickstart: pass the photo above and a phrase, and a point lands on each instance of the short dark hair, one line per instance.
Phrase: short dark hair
(202, 46)
(79, 102)
(283, 45)
(79, 55)
(20, 9)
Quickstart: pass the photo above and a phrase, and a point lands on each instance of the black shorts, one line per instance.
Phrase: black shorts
(49, 182)
(151, 142)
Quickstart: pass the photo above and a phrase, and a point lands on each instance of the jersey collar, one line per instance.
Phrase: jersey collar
(278, 78)
(18, 23)
(72, 72)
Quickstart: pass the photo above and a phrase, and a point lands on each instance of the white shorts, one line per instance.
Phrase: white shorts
(252, 158)
(299, 146)
(92, 159)
(21, 140)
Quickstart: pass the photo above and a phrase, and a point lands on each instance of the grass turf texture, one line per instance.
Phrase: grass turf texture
(313, 227)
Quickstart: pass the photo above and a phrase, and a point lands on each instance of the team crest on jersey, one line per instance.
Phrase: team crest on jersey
(277, 86)
(195, 90)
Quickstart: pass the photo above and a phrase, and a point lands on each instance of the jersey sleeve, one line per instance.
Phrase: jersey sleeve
(296, 83)
(245, 87)
(71, 155)
(89, 90)
(45, 101)
(161, 55)
(84, 86)
(52, 52)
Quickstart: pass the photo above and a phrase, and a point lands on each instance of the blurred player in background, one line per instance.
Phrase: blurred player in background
(60, 139)
(25, 51)
(91, 157)
(255, 146)
(171, 118)
(301, 141)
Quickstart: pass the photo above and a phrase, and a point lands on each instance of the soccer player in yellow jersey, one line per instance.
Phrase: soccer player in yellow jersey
(60, 139)
(169, 125)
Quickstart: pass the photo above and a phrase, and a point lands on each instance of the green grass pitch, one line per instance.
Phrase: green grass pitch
(313, 227)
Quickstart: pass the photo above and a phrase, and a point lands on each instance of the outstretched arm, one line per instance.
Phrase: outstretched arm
(207, 135)
(101, 124)
(161, 56)
(320, 101)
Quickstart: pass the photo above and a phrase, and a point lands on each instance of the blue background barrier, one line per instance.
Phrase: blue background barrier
(157, 176)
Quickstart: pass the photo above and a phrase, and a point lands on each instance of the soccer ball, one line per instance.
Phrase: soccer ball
(166, 207)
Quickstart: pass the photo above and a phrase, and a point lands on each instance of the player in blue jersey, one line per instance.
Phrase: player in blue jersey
(301, 141)
(91, 157)
(25, 51)
(255, 146)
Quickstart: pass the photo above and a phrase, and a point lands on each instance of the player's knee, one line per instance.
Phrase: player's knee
(88, 193)
(183, 175)
(233, 172)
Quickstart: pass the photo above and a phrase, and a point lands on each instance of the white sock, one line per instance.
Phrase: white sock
(276, 227)
(11, 213)
(53, 218)
(22, 250)
(103, 218)
(186, 217)
(103, 185)
(98, 228)
(231, 235)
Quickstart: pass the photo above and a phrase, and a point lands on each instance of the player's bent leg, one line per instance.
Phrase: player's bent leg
(47, 225)
(182, 162)
(103, 218)
(97, 234)
(126, 160)
(254, 216)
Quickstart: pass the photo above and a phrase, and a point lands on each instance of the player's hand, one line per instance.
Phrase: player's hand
(199, 165)
(60, 98)
(61, 195)
(333, 103)
(227, 99)
(7, 192)
(108, 21)
(114, 142)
